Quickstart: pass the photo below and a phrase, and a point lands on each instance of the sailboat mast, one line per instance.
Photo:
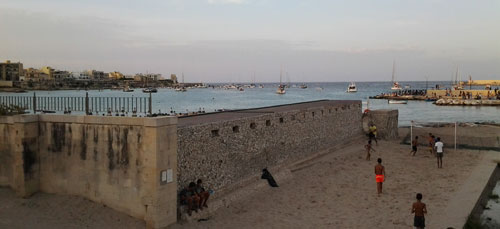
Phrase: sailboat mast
(281, 73)
(393, 70)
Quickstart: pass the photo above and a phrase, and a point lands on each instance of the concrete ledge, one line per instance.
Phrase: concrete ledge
(160, 121)
(102, 120)
(465, 199)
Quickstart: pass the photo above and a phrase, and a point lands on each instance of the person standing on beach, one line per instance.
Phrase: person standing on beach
(431, 143)
(369, 148)
(414, 144)
(420, 210)
(439, 152)
(373, 133)
(379, 175)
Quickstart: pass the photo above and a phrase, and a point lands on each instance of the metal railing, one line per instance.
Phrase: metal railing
(86, 104)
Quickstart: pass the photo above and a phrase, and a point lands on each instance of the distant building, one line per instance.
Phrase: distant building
(173, 77)
(10, 72)
(61, 75)
(33, 74)
(147, 77)
(96, 75)
(116, 75)
(48, 71)
(80, 75)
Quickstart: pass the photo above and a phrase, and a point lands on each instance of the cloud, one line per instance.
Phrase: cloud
(226, 1)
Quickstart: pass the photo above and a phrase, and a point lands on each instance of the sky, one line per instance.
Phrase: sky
(233, 40)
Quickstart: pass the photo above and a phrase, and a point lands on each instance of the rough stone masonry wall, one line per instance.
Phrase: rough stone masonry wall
(116, 161)
(223, 153)
(386, 122)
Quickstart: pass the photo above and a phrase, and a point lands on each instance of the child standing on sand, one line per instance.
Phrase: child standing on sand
(369, 148)
(419, 209)
(379, 175)
(414, 144)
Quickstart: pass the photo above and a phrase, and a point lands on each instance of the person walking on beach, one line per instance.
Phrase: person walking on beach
(379, 175)
(414, 144)
(431, 143)
(439, 152)
(373, 133)
(420, 210)
(369, 148)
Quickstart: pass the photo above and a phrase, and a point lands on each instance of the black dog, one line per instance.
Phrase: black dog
(267, 175)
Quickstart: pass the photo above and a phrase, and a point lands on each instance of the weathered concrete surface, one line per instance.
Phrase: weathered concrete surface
(386, 122)
(116, 161)
(469, 197)
(226, 151)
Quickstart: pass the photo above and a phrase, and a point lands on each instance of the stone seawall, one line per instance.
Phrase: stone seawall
(240, 144)
(116, 161)
(386, 122)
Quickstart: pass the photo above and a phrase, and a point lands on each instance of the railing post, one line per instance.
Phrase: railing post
(34, 102)
(150, 104)
(86, 103)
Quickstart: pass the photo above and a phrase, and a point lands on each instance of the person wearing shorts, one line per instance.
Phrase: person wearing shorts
(379, 175)
(439, 152)
(420, 210)
(414, 144)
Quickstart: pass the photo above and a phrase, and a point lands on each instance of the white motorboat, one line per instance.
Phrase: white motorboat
(352, 87)
(391, 101)
(149, 90)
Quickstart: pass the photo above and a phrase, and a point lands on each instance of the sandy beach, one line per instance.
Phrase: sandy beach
(337, 190)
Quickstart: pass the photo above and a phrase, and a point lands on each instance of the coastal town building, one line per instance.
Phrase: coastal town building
(173, 77)
(147, 77)
(33, 74)
(10, 72)
(54, 74)
(116, 75)
(96, 75)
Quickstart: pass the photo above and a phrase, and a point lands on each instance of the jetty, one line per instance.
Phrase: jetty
(447, 96)
(467, 102)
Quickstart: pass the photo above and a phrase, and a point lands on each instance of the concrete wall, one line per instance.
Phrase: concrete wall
(116, 161)
(226, 151)
(386, 122)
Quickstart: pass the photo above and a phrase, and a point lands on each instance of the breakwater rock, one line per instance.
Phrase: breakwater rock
(467, 102)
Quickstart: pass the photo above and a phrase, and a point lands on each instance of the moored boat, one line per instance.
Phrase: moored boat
(352, 87)
(391, 101)
(150, 90)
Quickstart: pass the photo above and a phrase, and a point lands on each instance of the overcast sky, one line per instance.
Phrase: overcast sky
(229, 40)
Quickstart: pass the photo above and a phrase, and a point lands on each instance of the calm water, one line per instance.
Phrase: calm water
(212, 99)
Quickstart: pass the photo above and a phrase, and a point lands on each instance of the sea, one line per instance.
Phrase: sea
(213, 99)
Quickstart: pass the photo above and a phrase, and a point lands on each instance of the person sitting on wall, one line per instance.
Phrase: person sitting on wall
(189, 197)
(202, 193)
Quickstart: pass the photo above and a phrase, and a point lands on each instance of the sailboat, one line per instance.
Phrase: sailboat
(181, 89)
(395, 84)
(457, 83)
(281, 87)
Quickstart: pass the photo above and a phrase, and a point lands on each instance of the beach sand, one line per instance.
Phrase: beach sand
(337, 190)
